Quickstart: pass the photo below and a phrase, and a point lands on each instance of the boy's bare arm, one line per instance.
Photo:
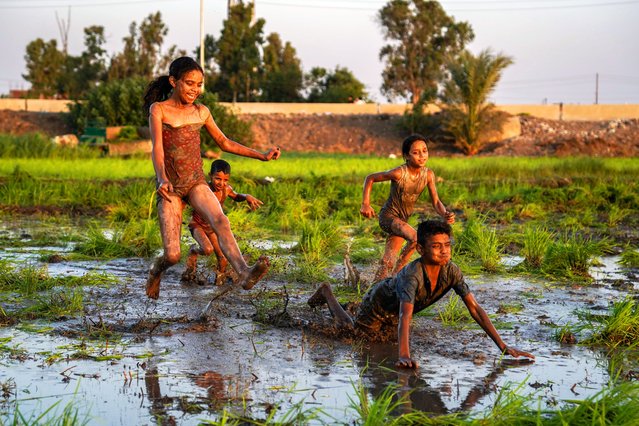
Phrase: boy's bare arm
(366, 210)
(480, 316)
(252, 202)
(405, 316)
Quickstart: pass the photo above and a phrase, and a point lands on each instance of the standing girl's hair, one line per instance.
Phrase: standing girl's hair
(409, 141)
(160, 88)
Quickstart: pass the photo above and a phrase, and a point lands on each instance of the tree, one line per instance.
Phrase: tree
(468, 114)
(45, 65)
(84, 72)
(339, 86)
(282, 76)
(141, 54)
(238, 55)
(421, 37)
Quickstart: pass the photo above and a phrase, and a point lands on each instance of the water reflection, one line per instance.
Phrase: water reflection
(417, 393)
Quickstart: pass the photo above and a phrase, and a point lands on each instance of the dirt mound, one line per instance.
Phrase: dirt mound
(21, 122)
(381, 134)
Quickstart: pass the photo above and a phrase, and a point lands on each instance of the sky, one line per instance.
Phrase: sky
(570, 51)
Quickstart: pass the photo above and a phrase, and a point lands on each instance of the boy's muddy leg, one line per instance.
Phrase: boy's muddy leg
(324, 294)
(190, 270)
(170, 216)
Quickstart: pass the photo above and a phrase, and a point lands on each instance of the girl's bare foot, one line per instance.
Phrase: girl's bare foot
(153, 285)
(318, 298)
(250, 277)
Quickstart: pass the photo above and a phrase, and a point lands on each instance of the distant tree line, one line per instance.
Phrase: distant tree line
(424, 55)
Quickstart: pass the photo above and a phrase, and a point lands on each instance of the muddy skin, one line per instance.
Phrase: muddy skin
(250, 277)
(155, 276)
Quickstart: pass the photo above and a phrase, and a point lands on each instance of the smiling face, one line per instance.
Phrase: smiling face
(188, 87)
(436, 250)
(219, 180)
(417, 155)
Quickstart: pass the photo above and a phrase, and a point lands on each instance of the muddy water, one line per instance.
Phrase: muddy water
(161, 364)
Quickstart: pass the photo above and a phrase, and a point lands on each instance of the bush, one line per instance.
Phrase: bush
(116, 103)
(227, 121)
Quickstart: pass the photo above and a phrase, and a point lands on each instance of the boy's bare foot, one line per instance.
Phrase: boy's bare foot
(153, 285)
(318, 298)
(220, 278)
(249, 278)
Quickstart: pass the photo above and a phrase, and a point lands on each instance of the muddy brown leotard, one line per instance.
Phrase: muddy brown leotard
(403, 195)
(380, 305)
(182, 159)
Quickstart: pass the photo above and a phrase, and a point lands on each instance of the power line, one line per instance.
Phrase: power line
(86, 4)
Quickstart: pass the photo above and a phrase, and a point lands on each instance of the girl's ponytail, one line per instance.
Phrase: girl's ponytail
(158, 90)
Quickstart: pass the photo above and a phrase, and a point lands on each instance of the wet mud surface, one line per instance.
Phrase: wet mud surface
(131, 360)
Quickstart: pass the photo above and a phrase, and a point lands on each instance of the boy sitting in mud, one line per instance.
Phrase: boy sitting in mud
(418, 285)
(203, 233)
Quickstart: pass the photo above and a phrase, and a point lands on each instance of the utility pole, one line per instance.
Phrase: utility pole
(202, 38)
(596, 88)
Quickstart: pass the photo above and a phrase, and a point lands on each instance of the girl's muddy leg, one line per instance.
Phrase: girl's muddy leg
(170, 216)
(405, 255)
(207, 205)
(155, 276)
(324, 294)
(393, 245)
(405, 231)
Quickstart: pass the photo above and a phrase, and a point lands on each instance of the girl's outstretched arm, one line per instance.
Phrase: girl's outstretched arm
(439, 207)
(227, 145)
(366, 210)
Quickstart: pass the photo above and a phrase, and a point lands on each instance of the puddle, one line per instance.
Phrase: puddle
(176, 369)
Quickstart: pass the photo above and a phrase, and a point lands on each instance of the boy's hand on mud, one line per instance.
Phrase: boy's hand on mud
(273, 153)
(164, 188)
(514, 352)
(253, 202)
(367, 211)
(450, 217)
(404, 362)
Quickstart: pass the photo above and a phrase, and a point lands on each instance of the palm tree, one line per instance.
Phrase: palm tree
(468, 116)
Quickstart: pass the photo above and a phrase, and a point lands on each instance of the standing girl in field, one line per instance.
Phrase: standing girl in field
(175, 122)
(407, 183)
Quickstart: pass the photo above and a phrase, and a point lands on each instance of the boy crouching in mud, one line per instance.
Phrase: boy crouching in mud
(203, 233)
(418, 285)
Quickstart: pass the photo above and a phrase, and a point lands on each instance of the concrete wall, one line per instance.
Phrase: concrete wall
(554, 111)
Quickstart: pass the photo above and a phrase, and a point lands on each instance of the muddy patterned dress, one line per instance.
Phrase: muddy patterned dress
(403, 195)
(182, 159)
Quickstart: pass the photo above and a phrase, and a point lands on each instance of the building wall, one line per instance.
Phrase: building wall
(554, 111)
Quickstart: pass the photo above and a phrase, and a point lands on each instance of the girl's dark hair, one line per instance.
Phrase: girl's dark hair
(409, 141)
(220, 166)
(431, 227)
(160, 88)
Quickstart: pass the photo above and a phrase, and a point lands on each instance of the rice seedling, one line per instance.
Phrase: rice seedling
(454, 312)
(510, 308)
(536, 242)
(629, 257)
(565, 334)
(570, 257)
(71, 415)
(619, 328)
(481, 243)
(136, 238)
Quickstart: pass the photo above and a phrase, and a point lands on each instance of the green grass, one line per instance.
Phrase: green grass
(620, 327)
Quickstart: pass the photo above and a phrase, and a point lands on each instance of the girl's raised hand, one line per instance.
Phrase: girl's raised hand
(273, 153)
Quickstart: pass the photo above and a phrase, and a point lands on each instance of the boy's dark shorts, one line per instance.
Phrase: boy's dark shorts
(372, 319)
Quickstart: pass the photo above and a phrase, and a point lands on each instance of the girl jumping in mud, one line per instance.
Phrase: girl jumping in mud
(175, 122)
(407, 183)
